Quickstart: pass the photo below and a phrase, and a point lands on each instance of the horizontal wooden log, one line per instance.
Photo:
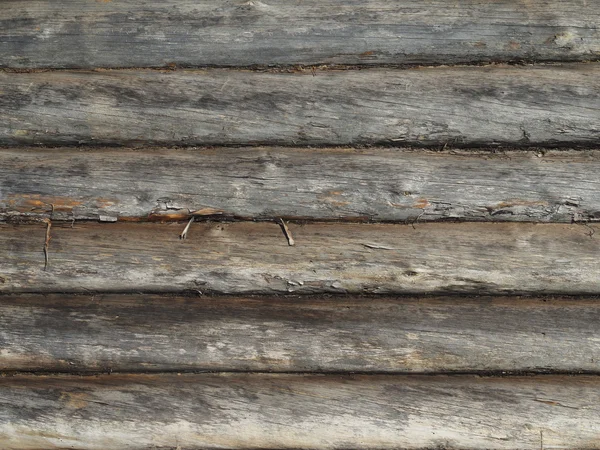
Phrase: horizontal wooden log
(461, 106)
(248, 257)
(78, 33)
(125, 333)
(376, 184)
(271, 411)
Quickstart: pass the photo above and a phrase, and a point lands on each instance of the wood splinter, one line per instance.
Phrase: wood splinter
(286, 232)
(47, 242)
(184, 233)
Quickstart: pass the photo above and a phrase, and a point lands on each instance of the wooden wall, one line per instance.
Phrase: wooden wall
(299, 224)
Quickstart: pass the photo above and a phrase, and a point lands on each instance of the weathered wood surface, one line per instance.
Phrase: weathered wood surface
(271, 411)
(78, 33)
(248, 257)
(466, 106)
(61, 333)
(353, 184)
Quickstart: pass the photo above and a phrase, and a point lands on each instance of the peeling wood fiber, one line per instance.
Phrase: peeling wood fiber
(141, 333)
(375, 184)
(120, 33)
(246, 257)
(458, 106)
(269, 411)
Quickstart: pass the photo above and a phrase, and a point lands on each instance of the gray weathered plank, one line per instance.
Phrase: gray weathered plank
(285, 411)
(249, 257)
(105, 33)
(467, 106)
(62, 333)
(352, 184)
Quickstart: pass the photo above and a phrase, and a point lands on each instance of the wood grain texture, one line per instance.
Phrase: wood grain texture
(234, 258)
(133, 333)
(125, 33)
(374, 184)
(270, 411)
(461, 106)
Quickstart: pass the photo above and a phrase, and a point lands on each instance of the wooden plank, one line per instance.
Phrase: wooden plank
(132, 333)
(77, 33)
(235, 258)
(283, 411)
(461, 106)
(376, 184)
